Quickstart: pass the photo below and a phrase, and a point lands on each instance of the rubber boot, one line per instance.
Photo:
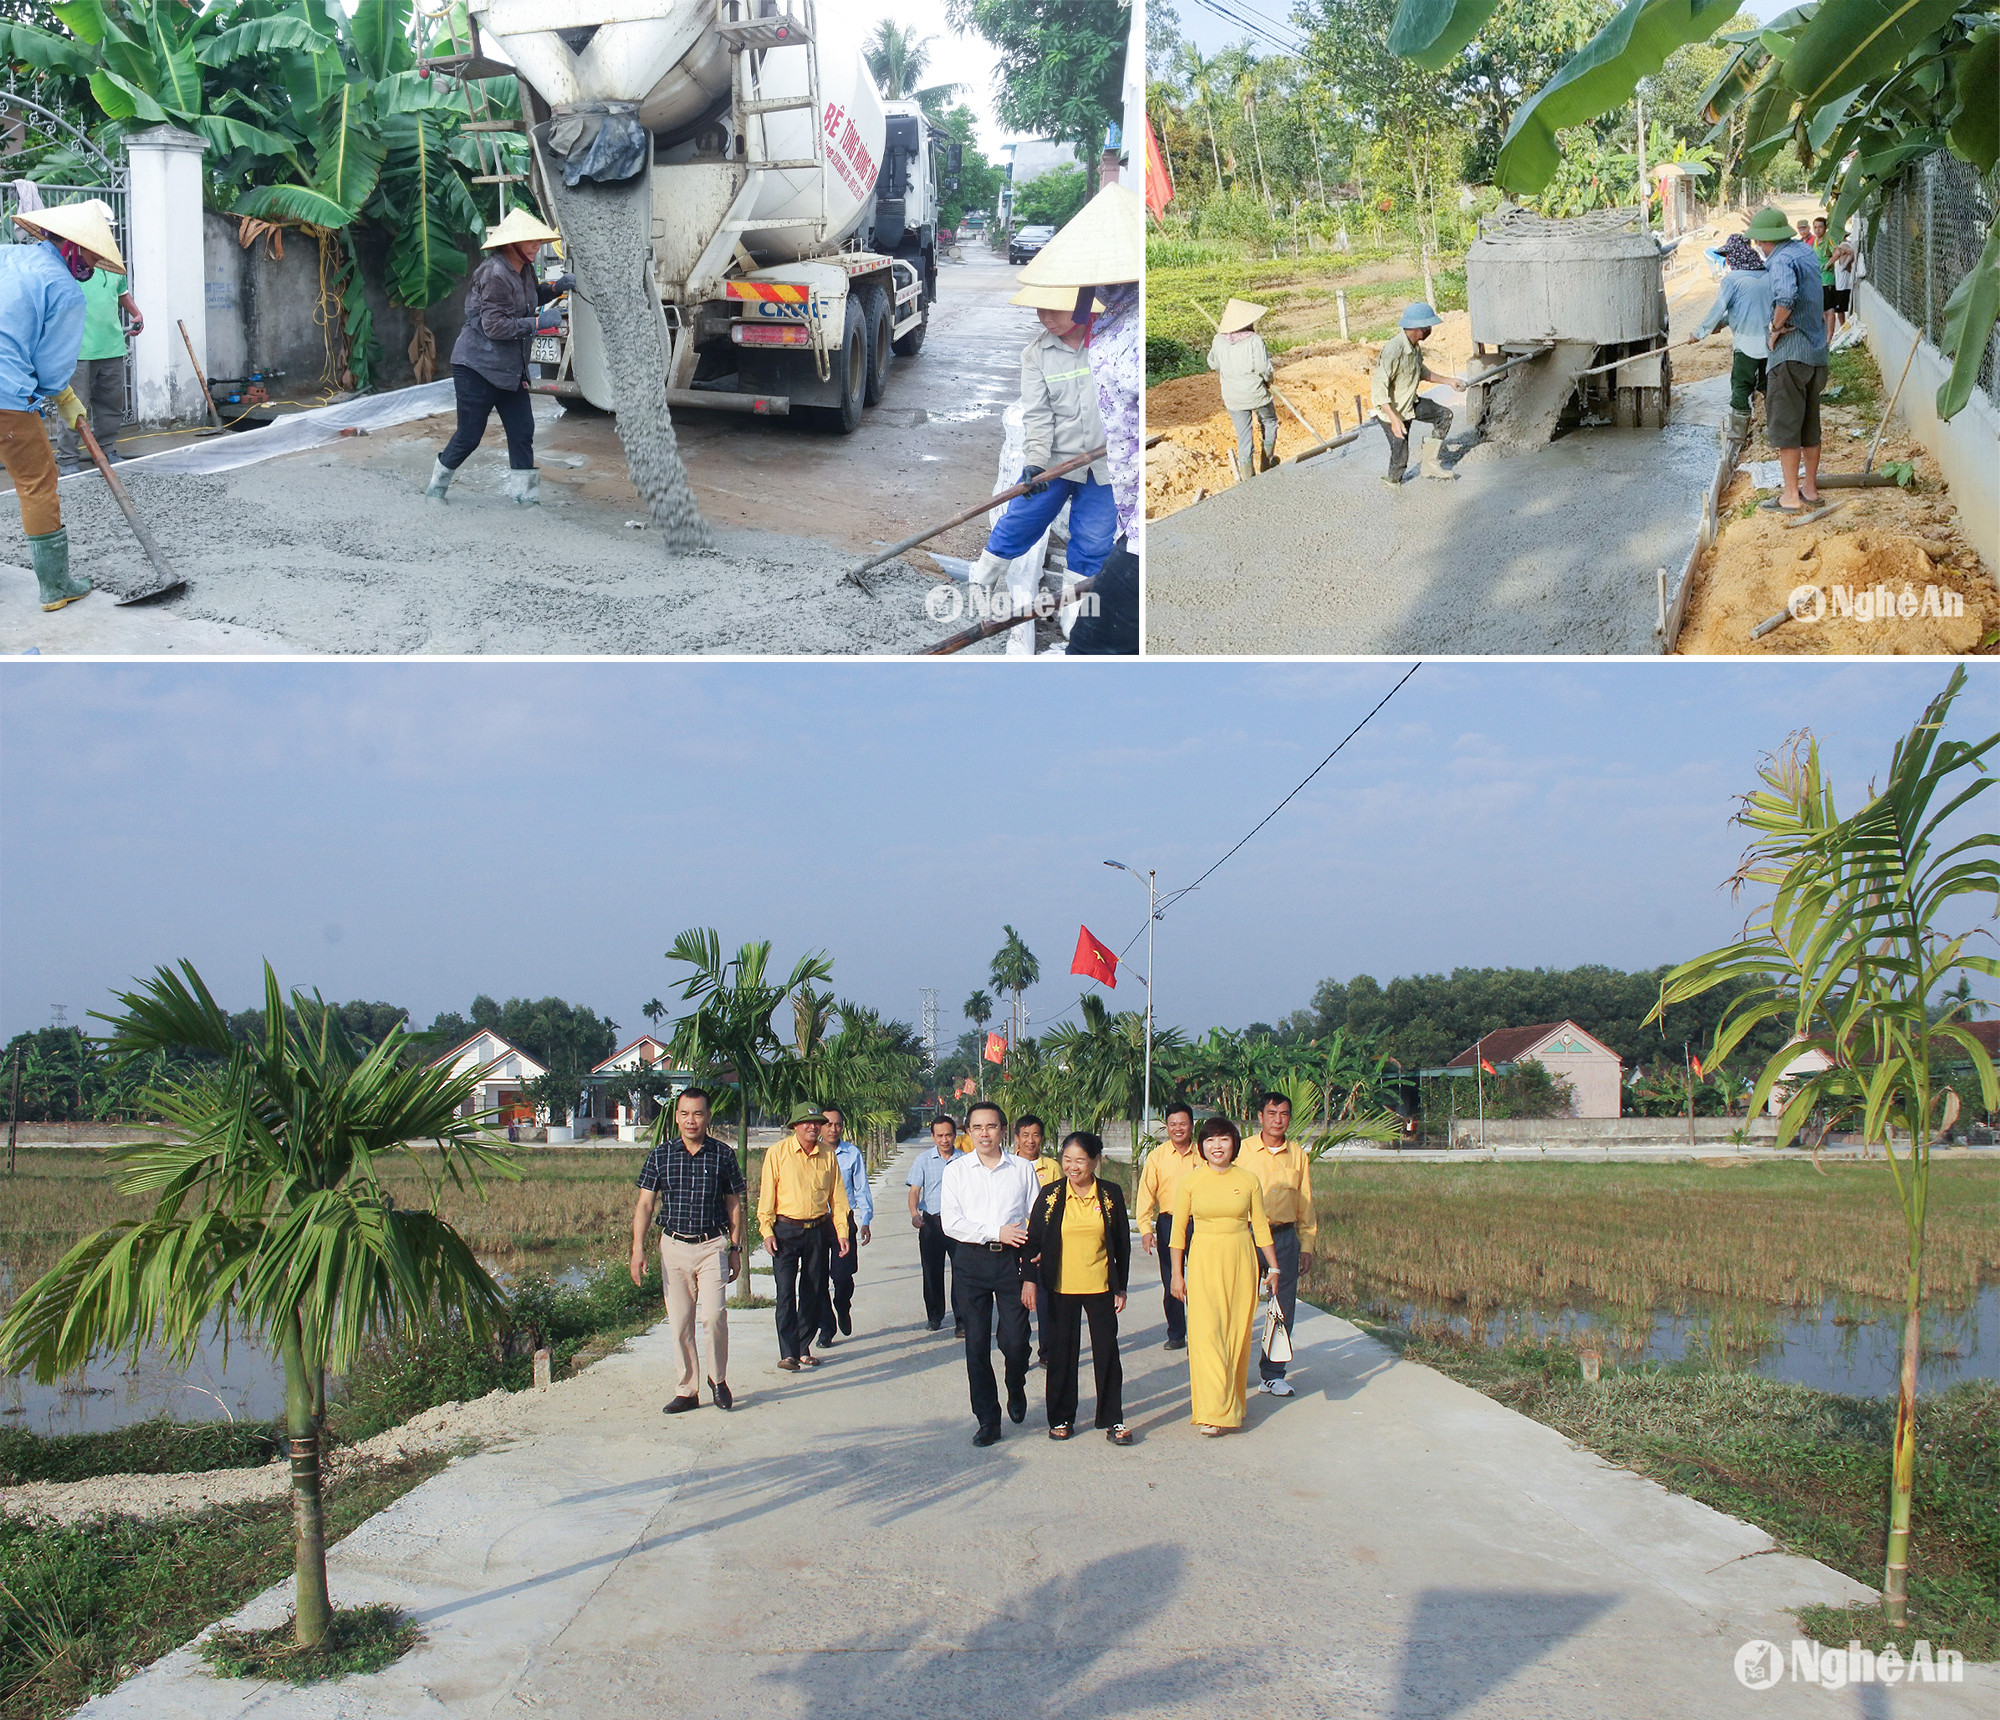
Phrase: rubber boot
(524, 488)
(1735, 426)
(1433, 460)
(1246, 469)
(441, 477)
(58, 585)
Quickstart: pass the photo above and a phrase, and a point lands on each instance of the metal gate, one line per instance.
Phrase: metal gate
(43, 155)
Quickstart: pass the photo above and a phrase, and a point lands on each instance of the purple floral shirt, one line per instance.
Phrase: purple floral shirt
(1117, 363)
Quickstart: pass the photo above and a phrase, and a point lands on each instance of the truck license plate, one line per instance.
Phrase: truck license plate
(548, 349)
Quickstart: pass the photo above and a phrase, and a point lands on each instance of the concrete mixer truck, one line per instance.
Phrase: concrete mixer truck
(785, 216)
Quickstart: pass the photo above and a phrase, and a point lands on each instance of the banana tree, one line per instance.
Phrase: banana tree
(1854, 953)
(269, 1215)
(1861, 89)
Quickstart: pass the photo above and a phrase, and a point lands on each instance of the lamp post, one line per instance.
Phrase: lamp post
(1152, 914)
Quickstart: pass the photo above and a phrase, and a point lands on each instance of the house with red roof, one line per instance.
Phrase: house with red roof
(1595, 1073)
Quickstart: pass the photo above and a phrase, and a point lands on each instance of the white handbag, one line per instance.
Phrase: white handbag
(1277, 1336)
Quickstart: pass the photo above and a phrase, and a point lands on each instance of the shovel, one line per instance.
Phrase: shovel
(215, 425)
(169, 581)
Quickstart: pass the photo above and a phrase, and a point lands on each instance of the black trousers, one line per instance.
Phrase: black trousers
(1114, 630)
(934, 1248)
(1426, 411)
(478, 399)
(800, 1270)
(1284, 1244)
(987, 1289)
(839, 1297)
(1163, 1233)
(1066, 1317)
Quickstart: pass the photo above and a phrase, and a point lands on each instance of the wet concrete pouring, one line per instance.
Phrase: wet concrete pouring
(335, 550)
(1552, 550)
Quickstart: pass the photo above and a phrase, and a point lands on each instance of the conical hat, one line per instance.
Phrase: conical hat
(1052, 299)
(87, 224)
(1238, 313)
(519, 228)
(1104, 241)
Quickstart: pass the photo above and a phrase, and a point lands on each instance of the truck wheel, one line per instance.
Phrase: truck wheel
(909, 345)
(850, 370)
(875, 315)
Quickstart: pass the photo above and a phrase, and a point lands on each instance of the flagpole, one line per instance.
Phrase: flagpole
(1152, 913)
(1479, 1080)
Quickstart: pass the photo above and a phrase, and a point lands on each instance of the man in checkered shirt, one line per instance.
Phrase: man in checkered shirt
(695, 1187)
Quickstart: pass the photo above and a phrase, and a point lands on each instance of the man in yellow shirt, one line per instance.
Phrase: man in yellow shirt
(1285, 1172)
(802, 1215)
(1159, 1181)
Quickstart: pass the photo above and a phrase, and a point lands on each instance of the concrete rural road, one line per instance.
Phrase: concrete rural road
(1549, 551)
(1387, 1543)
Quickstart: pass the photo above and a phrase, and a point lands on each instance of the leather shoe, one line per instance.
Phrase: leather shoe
(846, 1323)
(934, 1325)
(1175, 1344)
(958, 1331)
(987, 1435)
(724, 1398)
(788, 1364)
(681, 1405)
(1017, 1406)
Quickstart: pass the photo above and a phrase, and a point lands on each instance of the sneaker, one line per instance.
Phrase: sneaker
(1280, 1388)
(724, 1399)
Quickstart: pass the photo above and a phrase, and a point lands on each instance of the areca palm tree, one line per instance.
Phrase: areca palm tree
(1854, 953)
(1014, 968)
(979, 1011)
(1201, 76)
(897, 59)
(269, 1216)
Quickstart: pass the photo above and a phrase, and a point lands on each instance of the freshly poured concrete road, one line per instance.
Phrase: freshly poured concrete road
(1555, 550)
(1387, 1544)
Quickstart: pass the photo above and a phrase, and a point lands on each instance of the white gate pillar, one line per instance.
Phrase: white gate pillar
(167, 278)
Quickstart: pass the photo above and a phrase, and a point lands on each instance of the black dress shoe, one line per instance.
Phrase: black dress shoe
(958, 1331)
(724, 1398)
(681, 1405)
(988, 1435)
(789, 1365)
(846, 1323)
(826, 1340)
(933, 1325)
(1017, 1407)
(1175, 1344)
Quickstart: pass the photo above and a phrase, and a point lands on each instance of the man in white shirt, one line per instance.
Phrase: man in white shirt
(987, 1195)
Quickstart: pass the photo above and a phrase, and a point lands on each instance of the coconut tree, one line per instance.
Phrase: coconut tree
(1854, 953)
(897, 59)
(269, 1216)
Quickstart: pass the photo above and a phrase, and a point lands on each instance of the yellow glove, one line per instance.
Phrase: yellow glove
(70, 409)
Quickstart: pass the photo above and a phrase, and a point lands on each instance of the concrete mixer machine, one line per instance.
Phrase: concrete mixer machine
(785, 216)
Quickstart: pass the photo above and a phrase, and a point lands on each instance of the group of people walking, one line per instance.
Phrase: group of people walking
(1022, 1249)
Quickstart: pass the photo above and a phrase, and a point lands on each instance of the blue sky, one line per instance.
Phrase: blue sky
(423, 832)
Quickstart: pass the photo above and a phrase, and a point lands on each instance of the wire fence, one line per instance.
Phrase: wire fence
(1932, 228)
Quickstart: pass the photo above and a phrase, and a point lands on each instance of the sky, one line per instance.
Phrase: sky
(420, 833)
(1213, 24)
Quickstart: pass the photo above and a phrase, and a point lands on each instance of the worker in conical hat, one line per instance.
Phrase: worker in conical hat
(100, 377)
(506, 306)
(1103, 247)
(42, 313)
(1394, 396)
(1060, 420)
(1238, 355)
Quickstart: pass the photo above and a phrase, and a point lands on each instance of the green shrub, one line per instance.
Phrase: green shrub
(1167, 358)
(360, 1639)
(157, 1447)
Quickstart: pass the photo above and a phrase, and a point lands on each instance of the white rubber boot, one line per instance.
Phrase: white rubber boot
(524, 488)
(441, 477)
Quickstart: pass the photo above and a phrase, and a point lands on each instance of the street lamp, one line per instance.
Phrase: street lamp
(1152, 914)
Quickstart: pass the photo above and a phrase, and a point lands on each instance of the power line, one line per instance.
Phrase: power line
(1261, 29)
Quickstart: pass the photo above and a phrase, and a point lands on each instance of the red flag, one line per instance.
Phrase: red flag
(1093, 960)
(996, 1048)
(1159, 183)
(1488, 1067)
(1696, 1061)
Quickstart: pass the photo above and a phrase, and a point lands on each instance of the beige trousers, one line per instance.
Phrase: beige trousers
(695, 1277)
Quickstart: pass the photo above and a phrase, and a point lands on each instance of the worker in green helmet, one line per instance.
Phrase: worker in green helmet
(1400, 372)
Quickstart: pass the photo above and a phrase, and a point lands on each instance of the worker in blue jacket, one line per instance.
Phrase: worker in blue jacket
(41, 333)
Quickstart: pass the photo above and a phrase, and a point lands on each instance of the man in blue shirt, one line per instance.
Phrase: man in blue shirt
(926, 1182)
(838, 1303)
(41, 332)
(1797, 368)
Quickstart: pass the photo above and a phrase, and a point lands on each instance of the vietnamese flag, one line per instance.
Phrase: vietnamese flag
(996, 1048)
(1488, 1067)
(1094, 960)
(1696, 1061)
(1159, 183)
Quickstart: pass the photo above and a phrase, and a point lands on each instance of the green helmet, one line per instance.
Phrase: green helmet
(1770, 222)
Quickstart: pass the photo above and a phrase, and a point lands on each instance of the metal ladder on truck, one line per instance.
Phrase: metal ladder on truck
(754, 29)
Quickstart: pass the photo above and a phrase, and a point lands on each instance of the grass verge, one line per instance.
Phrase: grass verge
(156, 1447)
(360, 1639)
(1810, 1468)
(85, 1605)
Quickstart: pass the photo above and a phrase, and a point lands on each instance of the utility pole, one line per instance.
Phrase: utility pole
(930, 1029)
(1645, 195)
(1152, 915)
(14, 1111)
(1688, 1054)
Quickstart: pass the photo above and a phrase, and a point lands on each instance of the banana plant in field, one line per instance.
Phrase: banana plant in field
(1866, 925)
(1861, 89)
(269, 1216)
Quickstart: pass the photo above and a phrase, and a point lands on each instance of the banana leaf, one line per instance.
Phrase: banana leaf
(426, 256)
(1969, 316)
(1767, 119)
(1848, 42)
(45, 52)
(178, 85)
(300, 203)
(1730, 85)
(1434, 32)
(84, 19)
(309, 77)
(1601, 76)
(225, 136)
(380, 32)
(260, 36)
(120, 98)
(347, 145)
(1975, 122)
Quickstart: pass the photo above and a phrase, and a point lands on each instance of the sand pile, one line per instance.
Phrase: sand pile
(609, 251)
(1200, 450)
(335, 557)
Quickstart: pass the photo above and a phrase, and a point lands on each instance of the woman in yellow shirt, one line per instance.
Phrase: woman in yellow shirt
(1081, 1244)
(1220, 1286)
